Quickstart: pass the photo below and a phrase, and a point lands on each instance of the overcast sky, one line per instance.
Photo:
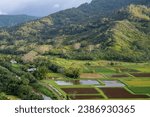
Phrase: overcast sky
(37, 7)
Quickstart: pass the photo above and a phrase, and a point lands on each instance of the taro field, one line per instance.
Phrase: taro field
(102, 80)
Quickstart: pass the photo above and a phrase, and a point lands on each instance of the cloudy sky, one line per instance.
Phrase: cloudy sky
(37, 7)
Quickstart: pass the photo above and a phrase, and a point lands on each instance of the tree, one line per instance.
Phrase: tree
(3, 96)
(72, 72)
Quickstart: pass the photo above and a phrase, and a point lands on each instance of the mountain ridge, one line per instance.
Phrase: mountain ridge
(12, 20)
(124, 35)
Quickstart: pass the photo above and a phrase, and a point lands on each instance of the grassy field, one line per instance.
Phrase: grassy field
(138, 82)
(140, 90)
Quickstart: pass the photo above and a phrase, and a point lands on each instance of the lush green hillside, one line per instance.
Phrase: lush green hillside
(11, 20)
(123, 35)
(14, 81)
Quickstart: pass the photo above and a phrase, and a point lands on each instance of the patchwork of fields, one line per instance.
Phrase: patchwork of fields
(101, 80)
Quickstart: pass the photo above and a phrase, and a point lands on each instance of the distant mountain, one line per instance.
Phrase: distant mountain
(12, 20)
(95, 9)
(102, 29)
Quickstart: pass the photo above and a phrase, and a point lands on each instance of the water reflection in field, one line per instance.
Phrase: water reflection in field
(77, 82)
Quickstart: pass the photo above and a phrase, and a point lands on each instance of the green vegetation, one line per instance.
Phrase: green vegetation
(139, 12)
(140, 90)
(102, 40)
(15, 80)
(44, 90)
(3, 96)
(123, 37)
(138, 82)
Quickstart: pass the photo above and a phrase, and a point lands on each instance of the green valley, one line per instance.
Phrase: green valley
(98, 50)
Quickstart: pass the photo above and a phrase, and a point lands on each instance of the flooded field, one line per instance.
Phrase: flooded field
(112, 83)
(77, 82)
